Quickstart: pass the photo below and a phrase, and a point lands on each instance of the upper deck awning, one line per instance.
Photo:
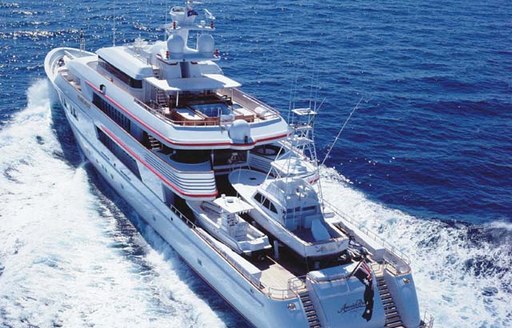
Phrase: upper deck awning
(205, 82)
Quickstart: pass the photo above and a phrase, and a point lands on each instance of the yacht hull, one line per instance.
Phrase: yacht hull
(243, 296)
(131, 169)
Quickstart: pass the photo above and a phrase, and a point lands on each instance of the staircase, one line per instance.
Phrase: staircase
(154, 144)
(309, 308)
(393, 319)
(161, 97)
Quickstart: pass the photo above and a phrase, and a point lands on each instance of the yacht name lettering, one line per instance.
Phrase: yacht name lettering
(351, 307)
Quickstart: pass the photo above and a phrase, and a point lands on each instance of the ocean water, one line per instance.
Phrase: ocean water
(425, 160)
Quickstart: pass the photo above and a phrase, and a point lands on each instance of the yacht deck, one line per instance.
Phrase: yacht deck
(198, 108)
(210, 109)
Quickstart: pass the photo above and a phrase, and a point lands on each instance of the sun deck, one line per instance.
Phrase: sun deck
(212, 99)
(209, 108)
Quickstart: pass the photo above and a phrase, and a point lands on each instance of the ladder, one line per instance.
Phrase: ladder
(161, 97)
(309, 308)
(154, 144)
(302, 121)
(393, 319)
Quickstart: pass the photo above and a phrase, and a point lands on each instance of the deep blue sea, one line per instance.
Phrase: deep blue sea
(425, 161)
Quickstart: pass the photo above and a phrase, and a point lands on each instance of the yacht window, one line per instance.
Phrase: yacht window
(308, 208)
(112, 112)
(273, 208)
(258, 197)
(134, 83)
(268, 204)
(291, 210)
(118, 152)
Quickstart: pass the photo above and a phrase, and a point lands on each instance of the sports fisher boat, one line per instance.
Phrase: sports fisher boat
(289, 209)
(222, 176)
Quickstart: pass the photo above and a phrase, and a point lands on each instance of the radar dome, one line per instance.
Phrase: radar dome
(240, 131)
(175, 44)
(205, 43)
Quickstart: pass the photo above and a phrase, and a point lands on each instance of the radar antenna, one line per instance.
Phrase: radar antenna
(114, 25)
(82, 40)
(208, 15)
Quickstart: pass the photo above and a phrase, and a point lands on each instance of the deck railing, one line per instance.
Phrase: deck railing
(296, 283)
(256, 283)
(160, 112)
(246, 101)
(249, 102)
(372, 235)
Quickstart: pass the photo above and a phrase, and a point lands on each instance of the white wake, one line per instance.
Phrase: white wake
(60, 262)
(57, 263)
(460, 281)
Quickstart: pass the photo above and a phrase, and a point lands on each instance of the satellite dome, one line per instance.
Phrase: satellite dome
(205, 43)
(240, 131)
(175, 44)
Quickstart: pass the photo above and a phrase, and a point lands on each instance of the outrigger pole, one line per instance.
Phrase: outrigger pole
(341, 130)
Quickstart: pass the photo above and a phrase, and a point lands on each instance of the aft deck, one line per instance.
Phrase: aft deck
(207, 109)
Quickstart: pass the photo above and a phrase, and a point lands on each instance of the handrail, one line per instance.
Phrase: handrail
(395, 251)
(245, 100)
(149, 153)
(257, 101)
(272, 292)
(221, 252)
(162, 116)
(208, 121)
(275, 293)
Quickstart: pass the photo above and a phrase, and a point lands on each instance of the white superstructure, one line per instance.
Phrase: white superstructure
(227, 182)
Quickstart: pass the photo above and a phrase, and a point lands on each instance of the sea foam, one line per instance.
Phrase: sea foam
(71, 256)
(461, 271)
(62, 258)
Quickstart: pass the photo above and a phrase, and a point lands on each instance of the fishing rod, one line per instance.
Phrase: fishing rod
(341, 130)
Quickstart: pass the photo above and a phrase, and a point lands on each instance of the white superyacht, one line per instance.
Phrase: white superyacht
(227, 182)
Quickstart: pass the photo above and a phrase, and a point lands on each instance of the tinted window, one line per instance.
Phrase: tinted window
(258, 197)
(123, 156)
(266, 203)
(273, 208)
(120, 75)
(112, 112)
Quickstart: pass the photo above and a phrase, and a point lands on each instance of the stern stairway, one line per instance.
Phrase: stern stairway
(393, 319)
(309, 308)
